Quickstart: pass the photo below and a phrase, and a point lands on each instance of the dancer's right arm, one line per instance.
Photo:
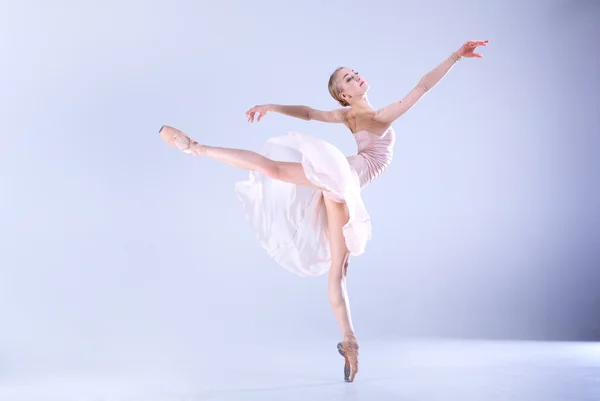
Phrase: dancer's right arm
(303, 112)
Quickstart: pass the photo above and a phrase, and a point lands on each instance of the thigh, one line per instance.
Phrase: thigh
(293, 172)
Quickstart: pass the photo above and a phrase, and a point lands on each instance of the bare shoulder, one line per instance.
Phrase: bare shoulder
(340, 114)
(366, 120)
(333, 116)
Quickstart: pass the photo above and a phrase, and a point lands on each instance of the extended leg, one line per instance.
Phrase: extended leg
(283, 171)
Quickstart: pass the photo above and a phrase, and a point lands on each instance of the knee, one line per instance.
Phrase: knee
(273, 170)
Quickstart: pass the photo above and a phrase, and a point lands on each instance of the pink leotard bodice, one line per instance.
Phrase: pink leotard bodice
(374, 154)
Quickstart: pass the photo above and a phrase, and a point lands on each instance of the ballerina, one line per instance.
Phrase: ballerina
(303, 196)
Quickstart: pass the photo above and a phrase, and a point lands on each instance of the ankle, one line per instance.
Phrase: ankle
(198, 149)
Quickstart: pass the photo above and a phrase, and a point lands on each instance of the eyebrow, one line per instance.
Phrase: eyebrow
(347, 74)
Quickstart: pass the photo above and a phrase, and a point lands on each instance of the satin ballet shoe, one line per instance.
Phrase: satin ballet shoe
(177, 139)
(349, 350)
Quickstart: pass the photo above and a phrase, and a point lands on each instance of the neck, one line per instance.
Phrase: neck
(361, 104)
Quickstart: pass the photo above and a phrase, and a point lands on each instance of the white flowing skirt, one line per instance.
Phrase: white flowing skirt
(290, 220)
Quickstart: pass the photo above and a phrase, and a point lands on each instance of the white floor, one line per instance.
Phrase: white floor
(406, 370)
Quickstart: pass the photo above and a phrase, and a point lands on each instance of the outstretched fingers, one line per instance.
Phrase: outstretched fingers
(475, 43)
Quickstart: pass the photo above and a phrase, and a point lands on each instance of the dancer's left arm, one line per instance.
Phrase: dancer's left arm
(391, 112)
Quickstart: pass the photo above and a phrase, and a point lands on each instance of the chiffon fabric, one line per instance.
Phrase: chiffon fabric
(290, 220)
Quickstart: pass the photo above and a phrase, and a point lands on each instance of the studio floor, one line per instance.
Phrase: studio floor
(411, 370)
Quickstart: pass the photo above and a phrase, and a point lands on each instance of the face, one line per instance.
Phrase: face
(351, 84)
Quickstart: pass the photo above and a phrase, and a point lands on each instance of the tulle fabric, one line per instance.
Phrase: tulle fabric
(290, 220)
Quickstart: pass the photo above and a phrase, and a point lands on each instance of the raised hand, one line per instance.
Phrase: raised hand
(261, 110)
(468, 49)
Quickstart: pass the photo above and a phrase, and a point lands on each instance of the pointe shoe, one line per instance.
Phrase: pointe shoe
(174, 137)
(349, 350)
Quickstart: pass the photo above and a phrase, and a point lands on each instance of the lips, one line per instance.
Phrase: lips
(361, 83)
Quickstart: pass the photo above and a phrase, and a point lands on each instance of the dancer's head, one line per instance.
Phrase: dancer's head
(346, 86)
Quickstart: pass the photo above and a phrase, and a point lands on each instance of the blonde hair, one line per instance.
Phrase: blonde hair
(334, 89)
